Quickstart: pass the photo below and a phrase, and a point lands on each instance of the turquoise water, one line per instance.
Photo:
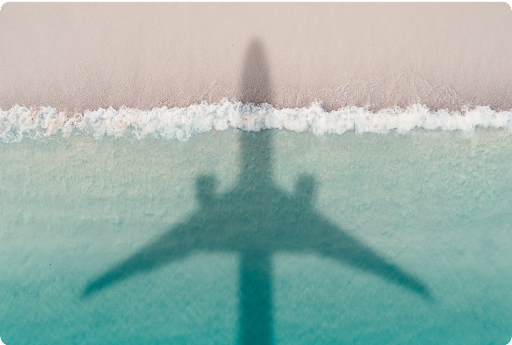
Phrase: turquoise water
(400, 239)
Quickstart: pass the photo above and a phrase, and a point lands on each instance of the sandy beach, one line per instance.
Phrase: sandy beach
(79, 56)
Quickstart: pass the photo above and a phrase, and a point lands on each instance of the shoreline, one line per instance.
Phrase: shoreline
(181, 124)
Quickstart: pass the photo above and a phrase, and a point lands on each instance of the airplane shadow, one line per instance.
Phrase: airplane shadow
(255, 220)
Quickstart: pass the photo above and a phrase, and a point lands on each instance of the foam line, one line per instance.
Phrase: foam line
(19, 122)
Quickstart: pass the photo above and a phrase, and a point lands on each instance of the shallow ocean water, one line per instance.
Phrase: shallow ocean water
(434, 203)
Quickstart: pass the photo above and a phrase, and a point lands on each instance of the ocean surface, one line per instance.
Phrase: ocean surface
(235, 224)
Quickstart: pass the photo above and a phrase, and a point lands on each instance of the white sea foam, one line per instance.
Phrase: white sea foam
(182, 123)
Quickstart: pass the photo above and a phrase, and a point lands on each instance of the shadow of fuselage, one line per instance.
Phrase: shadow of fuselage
(255, 220)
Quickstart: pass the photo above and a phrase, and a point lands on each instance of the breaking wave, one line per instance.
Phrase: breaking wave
(182, 123)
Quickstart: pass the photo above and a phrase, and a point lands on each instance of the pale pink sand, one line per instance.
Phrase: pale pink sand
(78, 56)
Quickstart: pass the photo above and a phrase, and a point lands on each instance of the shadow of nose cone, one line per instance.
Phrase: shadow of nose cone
(256, 87)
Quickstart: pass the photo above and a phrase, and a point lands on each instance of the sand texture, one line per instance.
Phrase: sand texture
(78, 56)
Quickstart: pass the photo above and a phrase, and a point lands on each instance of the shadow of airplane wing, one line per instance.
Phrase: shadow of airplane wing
(328, 240)
(175, 244)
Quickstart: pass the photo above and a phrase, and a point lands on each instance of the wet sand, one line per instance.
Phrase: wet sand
(79, 56)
